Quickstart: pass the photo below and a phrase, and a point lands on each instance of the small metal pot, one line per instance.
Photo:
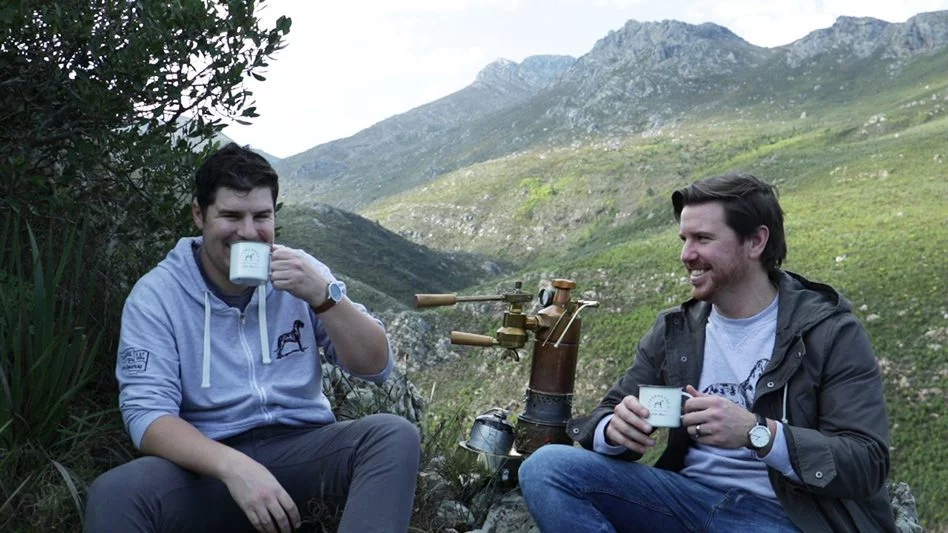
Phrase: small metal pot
(491, 433)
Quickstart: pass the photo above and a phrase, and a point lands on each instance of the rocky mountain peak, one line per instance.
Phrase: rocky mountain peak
(860, 36)
(676, 48)
(502, 70)
(863, 37)
(536, 72)
(923, 33)
(648, 61)
(671, 35)
(675, 31)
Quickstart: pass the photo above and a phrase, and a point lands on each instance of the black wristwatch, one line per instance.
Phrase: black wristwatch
(758, 437)
(334, 295)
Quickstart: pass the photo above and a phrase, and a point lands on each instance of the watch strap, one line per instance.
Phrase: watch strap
(325, 306)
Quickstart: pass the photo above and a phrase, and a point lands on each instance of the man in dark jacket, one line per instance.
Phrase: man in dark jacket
(786, 429)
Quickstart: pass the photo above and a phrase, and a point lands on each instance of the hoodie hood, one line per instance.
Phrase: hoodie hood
(805, 303)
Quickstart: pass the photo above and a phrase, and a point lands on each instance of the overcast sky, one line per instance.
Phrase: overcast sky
(352, 63)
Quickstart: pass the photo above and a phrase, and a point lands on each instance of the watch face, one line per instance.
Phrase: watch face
(759, 436)
(334, 291)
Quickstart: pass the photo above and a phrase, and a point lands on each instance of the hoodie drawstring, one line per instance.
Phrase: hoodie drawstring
(783, 418)
(262, 319)
(206, 371)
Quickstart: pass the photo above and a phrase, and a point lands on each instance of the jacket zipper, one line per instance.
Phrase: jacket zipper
(261, 393)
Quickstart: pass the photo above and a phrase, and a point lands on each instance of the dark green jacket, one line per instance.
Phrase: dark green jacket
(823, 381)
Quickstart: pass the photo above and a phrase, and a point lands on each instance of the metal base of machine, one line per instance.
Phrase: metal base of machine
(531, 434)
(549, 408)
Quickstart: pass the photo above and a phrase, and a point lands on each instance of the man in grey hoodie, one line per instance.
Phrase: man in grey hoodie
(786, 429)
(221, 386)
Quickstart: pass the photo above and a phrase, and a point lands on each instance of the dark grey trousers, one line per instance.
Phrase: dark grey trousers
(367, 466)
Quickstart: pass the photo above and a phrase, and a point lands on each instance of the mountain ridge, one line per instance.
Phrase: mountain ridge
(387, 144)
(635, 79)
(864, 36)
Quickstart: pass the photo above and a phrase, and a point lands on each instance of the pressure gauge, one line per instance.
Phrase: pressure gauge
(546, 296)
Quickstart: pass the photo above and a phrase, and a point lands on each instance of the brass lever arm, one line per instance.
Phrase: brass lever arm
(437, 300)
(472, 339)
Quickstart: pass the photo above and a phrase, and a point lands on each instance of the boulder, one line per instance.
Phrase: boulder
(903, 508)
(353, 398)
(509, 515)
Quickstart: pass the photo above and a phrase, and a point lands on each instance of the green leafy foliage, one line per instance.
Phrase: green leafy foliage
(107, 109)
(105, 106)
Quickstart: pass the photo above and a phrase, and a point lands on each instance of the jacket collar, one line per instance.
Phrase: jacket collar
(803, 304)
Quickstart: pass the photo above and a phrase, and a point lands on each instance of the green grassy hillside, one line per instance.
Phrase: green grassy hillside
(382, 270)
(546, 202)
(865, 201)
(857, 148)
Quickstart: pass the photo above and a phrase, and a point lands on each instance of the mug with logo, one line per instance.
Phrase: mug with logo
(249, 263)
(663, 404)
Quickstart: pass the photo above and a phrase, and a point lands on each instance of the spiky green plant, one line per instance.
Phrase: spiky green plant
(46, 354)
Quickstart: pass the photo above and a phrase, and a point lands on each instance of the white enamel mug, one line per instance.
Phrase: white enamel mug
(663, 404)
(249, 263)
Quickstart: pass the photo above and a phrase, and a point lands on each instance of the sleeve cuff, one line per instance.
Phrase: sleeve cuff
(599, 439)
(385, 373)
(141, 423)
(779, 456)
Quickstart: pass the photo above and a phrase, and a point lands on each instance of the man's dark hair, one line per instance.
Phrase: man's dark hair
(748, 203)
(236, 168)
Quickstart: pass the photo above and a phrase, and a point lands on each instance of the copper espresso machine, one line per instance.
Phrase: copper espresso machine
(549, 396)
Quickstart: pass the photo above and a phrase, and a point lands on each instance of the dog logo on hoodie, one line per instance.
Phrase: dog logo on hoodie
(289, 339)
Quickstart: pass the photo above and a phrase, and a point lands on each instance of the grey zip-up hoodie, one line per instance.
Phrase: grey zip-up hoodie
(184, 352)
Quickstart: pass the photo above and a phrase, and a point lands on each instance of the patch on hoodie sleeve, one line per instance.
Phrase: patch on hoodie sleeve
(134, 361)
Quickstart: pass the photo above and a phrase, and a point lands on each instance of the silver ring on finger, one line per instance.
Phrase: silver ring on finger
(698, 431)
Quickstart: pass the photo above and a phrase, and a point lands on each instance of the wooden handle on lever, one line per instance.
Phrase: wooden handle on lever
(435, 300)
(472, 339)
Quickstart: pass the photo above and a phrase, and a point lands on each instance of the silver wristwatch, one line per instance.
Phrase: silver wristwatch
(758, 437)
(334, 295)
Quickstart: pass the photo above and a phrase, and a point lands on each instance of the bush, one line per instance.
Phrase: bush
(108, 109)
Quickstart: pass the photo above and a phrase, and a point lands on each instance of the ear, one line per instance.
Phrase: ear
(757, 241)
(197, 215)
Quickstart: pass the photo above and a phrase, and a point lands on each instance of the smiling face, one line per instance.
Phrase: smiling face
(233, 216)
(722, 268)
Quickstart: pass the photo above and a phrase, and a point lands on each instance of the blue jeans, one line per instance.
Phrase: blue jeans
(576, 490)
